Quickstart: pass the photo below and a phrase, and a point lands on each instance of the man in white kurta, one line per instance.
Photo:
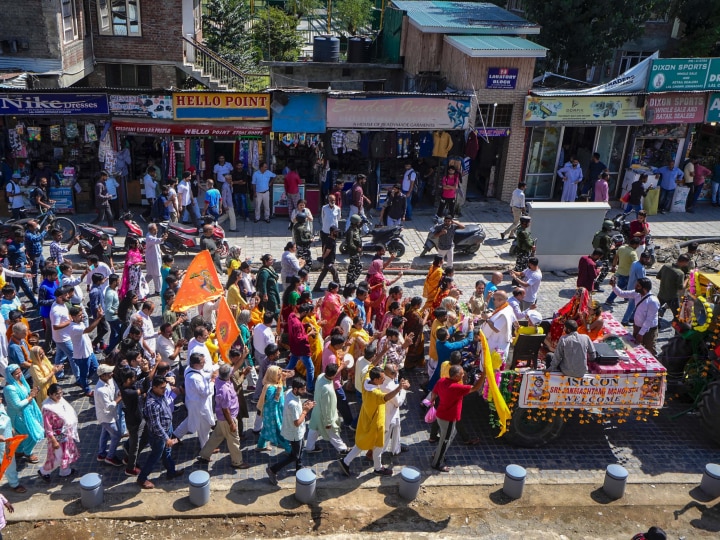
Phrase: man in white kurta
(392, 411)
(571, 175)
(199, 389)
(153, 260)
(498, 325)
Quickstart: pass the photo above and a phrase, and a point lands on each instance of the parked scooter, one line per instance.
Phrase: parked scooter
(621, 224)
(390, 238)
(185, 238)
(90, 237)
(466, 241)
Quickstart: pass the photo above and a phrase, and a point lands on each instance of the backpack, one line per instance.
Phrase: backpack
(15, 190)
(597, 240)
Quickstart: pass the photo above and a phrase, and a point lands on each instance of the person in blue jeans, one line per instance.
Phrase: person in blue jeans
(18, 261)
(625, 255)
(107, 397)
(34, 238)
(670, 176)
(60, 320)
(158, 415)
(241, 184)
(212, 201)
(408, 188)
(82, 347)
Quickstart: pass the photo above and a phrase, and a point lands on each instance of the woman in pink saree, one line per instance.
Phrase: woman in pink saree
(330, 308)
(133, 278)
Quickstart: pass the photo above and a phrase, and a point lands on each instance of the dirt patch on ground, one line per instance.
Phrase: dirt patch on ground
(442, 512)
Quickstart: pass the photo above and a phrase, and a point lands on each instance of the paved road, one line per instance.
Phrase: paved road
(661, 449)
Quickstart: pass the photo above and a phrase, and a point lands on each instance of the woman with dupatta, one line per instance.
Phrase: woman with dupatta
(330, 308)
(272, 401)
(23, 412)
(43, 373)
(575, 309)
(414, 324)
(133, 278)
(592, 323)
(61, 422)
(378, 285)
(432, 281)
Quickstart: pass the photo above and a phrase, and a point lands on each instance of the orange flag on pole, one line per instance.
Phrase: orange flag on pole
(201, 283)
(227, 330)
(11, 445)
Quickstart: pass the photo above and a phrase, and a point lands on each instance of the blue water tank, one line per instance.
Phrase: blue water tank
(359, 50)
(326, 49)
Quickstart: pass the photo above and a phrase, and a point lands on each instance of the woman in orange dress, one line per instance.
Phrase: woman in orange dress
(592, 323)
(330, 308)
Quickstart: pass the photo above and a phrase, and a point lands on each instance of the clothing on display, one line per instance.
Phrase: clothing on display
(442, 143)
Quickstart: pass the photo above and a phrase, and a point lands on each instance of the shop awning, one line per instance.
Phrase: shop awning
(186, 129)
(496, 47)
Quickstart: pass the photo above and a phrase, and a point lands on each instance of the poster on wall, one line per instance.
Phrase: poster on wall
(279, 197)
(63, 197)
(616, 110)
(398, 112)
(675, 108)
(221, 106)
(142, 106)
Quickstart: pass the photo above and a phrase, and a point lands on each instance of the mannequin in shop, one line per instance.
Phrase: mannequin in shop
(442, 143)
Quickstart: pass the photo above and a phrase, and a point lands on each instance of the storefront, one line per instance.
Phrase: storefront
(55, 135)
(377, 134)
(579, 126)
(189, 129)
(297, 141)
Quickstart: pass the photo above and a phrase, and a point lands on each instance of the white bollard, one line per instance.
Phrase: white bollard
(615, 481)
(710, 482)
(91, 490)
(305, 485)
(514, 481)
(409, 483)
(199, 488)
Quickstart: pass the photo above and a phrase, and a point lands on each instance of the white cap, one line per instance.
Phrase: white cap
(534, 316)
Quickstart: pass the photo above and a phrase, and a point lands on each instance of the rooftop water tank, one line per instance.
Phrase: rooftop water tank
(359, 50)
(326, 49)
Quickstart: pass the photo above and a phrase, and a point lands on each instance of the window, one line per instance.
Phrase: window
(119, 17)
(630, 59)
(69, 21)
(516, 5)
(128, 76)
(494, 115)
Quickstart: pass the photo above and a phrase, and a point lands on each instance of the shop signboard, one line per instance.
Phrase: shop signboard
(303, 113)
(144, 106)
(190, 130)
(619, 390)
(672, 74)
(493, 132)
(53, 104)
(713, 110)
(221, 106)
(502, 78)
(63, 197)
(675, 108)
(577, 111)
(398, 112)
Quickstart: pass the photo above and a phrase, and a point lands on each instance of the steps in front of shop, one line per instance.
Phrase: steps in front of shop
(197, 74)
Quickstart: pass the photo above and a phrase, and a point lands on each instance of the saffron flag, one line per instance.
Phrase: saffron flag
(493, 390)
(11, 445)
(201, 283)
(227, 330)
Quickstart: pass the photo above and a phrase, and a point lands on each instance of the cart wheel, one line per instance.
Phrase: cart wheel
(530, 433)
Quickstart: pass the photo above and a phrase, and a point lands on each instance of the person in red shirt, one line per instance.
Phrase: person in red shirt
(451, 392)
(299, 341)
(292, 188)
(701, 173)
(588, 270)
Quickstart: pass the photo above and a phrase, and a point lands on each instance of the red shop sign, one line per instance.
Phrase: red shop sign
(190, 130)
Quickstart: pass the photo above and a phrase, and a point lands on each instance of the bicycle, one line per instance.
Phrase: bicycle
(65, 225)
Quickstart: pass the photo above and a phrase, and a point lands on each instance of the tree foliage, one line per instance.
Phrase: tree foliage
(353, 14)
(586, 32)
(224, 32)
(702, 27)
(276, 37)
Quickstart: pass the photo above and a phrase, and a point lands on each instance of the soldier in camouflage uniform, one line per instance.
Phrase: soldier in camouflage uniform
(353, 243)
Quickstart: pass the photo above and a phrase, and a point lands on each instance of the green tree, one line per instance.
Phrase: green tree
(302, 8)
(586, 32)
(275, 36)
(353, 14)
(702, 27)
(224, 32)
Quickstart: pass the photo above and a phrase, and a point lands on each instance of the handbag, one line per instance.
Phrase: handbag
(431, 415)
(625, 198)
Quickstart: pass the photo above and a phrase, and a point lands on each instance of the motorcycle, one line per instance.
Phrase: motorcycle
(65, 225)
(90, 234)
(622, 225)
(182, 238)
(466, 241)
(390, 238)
